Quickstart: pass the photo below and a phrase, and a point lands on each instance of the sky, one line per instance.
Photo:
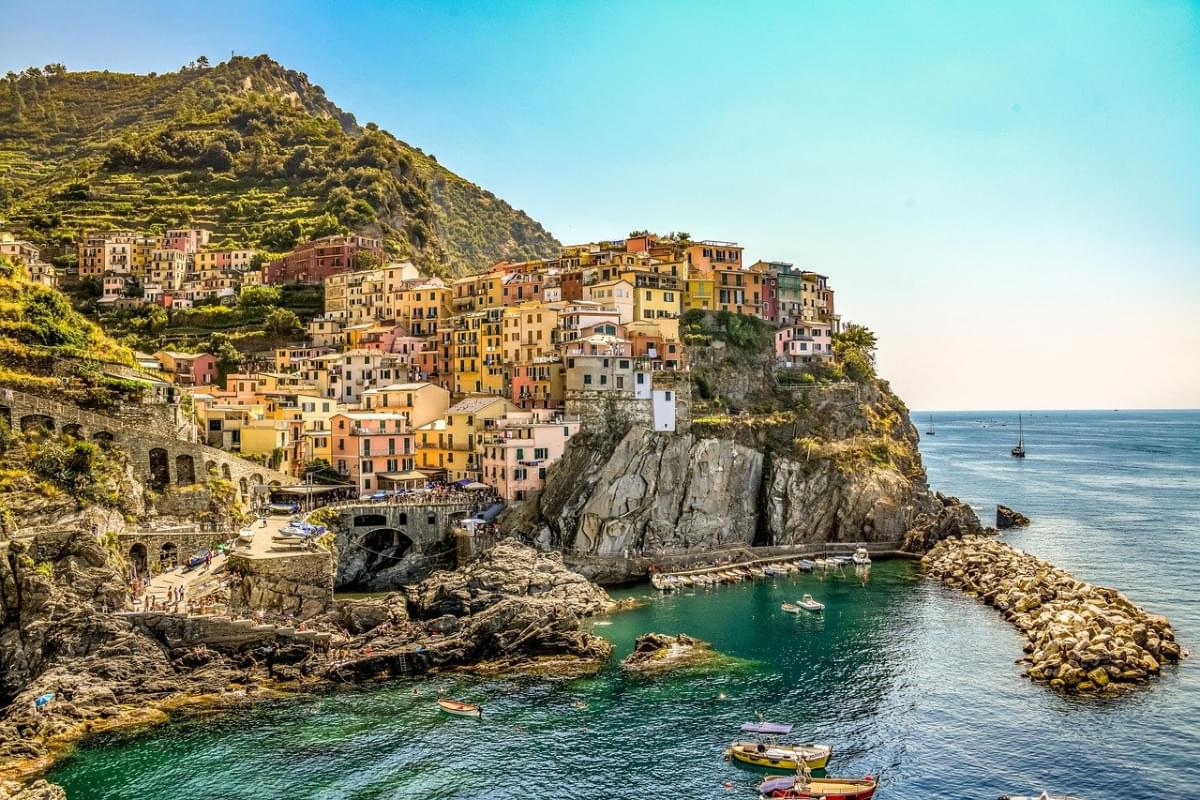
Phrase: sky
(1007, 193)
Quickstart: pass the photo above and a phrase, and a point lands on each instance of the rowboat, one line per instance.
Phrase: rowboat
(460, 709)
(790, 608)
(246, 535)
(765, 751)
(809, 604)
(828, 788)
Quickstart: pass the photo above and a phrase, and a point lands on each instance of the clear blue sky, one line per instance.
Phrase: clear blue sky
(1009, 193)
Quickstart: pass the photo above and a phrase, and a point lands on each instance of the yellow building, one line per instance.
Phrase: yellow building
(270, 440)
(418, 403)
(476, 292)
(529, 331)
(465, 353)
(699, 294)
(420, 307)
(454, 444)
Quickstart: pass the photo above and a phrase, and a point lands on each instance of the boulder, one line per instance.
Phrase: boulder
(657, 652)
(1007, 518)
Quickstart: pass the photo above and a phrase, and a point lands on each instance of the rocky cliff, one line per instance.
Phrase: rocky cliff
(775, 465)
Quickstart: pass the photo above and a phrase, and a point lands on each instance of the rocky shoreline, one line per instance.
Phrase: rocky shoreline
(514, 609)
(1080, 639)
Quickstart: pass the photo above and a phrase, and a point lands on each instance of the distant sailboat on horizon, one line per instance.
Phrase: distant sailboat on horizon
(1019, 450)
(931, 431)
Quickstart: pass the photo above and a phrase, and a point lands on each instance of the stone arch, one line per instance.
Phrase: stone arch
(160, 468)
(226, 473)
(31, 422)
(103, 438)
(256, 479)
(384, 547)
(245, 487)
(73, 429)
(185, 469)
(365, 520)
(168, 555)
(138, 557)
(6, 415)
(274, 486)
(210, 469)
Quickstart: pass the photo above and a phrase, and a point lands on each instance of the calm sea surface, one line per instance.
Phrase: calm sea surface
(907, 680)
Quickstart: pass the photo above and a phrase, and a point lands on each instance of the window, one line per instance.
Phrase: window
(587, 380)
(431, 519)
(368, 466)
(541, 453)
(623, 363)
(520, 454)
(603, 380)
(542, 473)
(519, 474)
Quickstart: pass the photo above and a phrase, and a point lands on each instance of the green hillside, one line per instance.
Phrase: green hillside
(251, 150)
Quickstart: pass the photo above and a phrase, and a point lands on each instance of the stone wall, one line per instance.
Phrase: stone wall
(300, 585)
(621, 410)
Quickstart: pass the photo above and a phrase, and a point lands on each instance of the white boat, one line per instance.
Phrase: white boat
(246, 535)
(861, 556)
(790, 608)
(460, 709)
(809, 604)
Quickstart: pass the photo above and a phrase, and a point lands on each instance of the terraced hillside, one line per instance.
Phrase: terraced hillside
(247, 148)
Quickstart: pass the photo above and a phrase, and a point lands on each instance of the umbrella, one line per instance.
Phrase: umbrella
(475, 485)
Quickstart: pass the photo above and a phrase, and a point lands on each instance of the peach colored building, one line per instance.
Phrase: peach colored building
(517, 455)
(372, 450)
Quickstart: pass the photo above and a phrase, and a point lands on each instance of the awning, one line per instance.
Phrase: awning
(491, 512)
(474, 485)
(769, 728)
(462, 484)
(306, 490)
(407, 475)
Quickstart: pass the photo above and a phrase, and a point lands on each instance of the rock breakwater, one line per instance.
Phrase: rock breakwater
(1080, 638)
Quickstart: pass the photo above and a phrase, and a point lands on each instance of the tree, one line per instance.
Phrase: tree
(258, 297)
(366, 259)
(321, 471)
(229, 359)
(202, 62)
(854, 346)
(282, 323)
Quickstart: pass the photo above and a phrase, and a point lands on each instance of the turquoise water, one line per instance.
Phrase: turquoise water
(907, 680)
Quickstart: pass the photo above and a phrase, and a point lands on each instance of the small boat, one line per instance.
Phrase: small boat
(828, 788)
(791, 608)
(246, 535)
(1019, 450)
(284, 508)
(765, 751)
(460, 709)
(804, 565)
(861, 556)
(931, 431)
(809, 604)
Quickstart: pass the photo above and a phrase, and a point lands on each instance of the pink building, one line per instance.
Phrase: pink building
(518, 454)
(313, 262)
(374, 450)
(188, 369)
(805, 342)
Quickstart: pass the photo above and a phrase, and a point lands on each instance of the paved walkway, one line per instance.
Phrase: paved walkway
(193, 582)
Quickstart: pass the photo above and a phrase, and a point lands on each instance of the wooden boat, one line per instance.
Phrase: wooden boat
(765, 751)
(828, 788)
(809, 604)
(460, 709)
(861, 556)
(1019, 450)
(791, 608)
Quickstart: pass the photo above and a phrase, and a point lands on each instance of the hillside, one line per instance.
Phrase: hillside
(248, 149)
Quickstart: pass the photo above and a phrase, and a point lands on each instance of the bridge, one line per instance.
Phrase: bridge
(386, 545)
(159, 460)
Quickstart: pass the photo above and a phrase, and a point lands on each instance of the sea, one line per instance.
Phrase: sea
(908, 681)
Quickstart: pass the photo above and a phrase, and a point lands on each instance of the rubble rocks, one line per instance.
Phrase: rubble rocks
(658, 652)
(1080, 639)
(1007, 518)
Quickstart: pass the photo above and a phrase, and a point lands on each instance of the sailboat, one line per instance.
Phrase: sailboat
(1019, 450)
(931, 431)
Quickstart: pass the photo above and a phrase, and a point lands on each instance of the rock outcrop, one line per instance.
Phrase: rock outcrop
(1080, 638)
(658, 652)
(1007, 518)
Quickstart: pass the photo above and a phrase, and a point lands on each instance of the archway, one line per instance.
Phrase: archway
(103, 438)
(257, 479)
(185, 469)
(160, 468)
(384, 547)
(73, 429)
(6, 415)
(168, 556)
(365, 520)
(226, 473)
(137, 558)
(210, 469)
(32, 422)
(245, 487)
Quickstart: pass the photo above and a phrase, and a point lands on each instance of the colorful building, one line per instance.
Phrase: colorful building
(373, 450)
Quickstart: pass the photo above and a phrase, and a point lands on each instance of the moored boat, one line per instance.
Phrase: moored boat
(460, 709)
(804, 565)
(790, 608)
(828, 788)
(246, 535)
(809, 604)
(765, 751)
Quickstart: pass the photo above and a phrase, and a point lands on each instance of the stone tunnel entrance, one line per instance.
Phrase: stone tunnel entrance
(383, 548)
(137, 558)
(185, 470)
(160, 469)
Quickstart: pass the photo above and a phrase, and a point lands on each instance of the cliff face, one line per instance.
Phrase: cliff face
(835, 463)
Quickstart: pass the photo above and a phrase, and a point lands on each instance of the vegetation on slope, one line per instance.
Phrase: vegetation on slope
(47, 347)
(248, 149)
